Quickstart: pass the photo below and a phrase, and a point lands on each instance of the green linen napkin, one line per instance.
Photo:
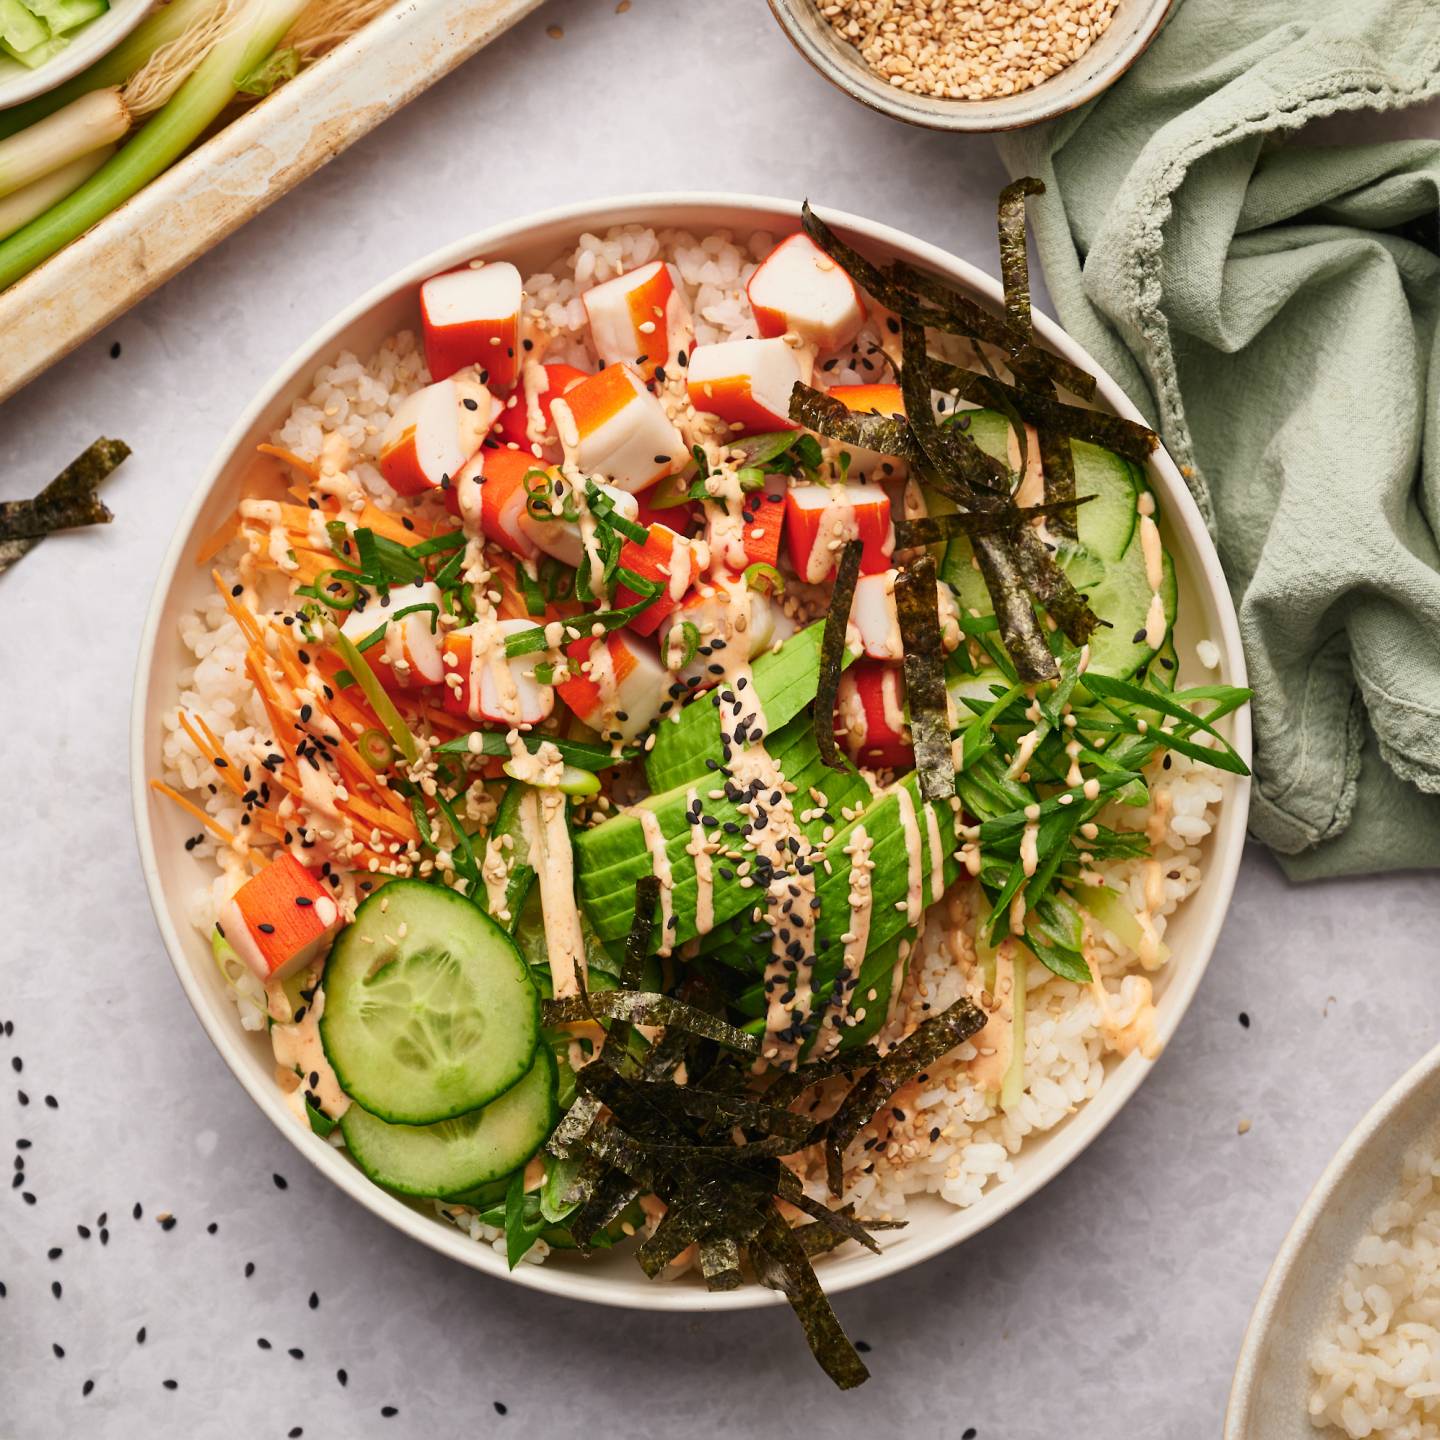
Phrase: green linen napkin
(1273, 309)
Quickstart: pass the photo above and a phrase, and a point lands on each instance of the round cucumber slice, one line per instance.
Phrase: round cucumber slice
(429, 1009)
(457, 1157)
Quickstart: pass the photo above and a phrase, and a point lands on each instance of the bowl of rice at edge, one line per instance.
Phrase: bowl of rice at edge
(1345, 1337)
(734, 226)
(1128, 28)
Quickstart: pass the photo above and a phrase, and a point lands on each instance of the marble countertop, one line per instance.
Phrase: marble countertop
(1110, 1305)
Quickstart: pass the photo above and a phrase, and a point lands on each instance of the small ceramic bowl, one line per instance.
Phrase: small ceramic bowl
(100, 37)
(1302, 1290)
(172, 874)
(1133, 26)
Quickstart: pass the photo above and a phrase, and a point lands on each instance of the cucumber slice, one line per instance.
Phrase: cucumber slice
(37, 55)
(429, 1009)
(63, 16)
(20, 30)
(1123, 598)
(456, 1157)
(521, 872)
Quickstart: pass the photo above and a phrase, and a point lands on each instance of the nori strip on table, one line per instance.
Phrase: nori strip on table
(931, 529)
(925, 1044)
(822, 413)
(37, 518)
(832, 654)
(917, 604)
(781, 1263)
(74, 487)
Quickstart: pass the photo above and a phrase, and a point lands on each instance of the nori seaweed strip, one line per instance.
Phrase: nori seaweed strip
(791, 1084)
(1058, 467)
(1014, 264)
(781, 1263)
(79, 479)
(832, 655)
(1019, 630)
(720, 1263)
(917, 604)
(1112, 432)
(646, 1008)
(729, 1109)
(925, 1044)
(822, 413)
(863, 272)
(37, 518)
(841, 1221)
(1052, 588)
(944, 308)
(820, 1239)
(930, 529)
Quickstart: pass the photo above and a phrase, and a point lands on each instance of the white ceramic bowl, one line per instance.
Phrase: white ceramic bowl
(171, 873)
(17, 84)
(1133, 26)
(1302, 1291)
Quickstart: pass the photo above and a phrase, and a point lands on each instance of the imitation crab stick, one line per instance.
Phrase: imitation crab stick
(408, 655)
(798, 287)
(612, 426)
(525, 419)
(747, 383)
(472, 317)
(482, 684)
(489, 496)
(665, 558)
(877, 619)
(547, 527)
(639, 318)
(434, 432)
(884, 400)
(724, 610)
(870, 716)
(617, 684)
(279, 922)
(819, 519)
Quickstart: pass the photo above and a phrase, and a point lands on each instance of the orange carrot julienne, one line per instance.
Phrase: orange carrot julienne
(218, 540)
(208, 821)
(305, 467)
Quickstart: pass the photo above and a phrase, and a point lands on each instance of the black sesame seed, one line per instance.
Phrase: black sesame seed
(22, 1097)
(249, 1268)
(295, 1353)
(168, 1223)
(501, 1408)
(59, 1351)
(263, 1343)
(212, 1227)
(389, 1411)
(314, 1301)
(265, 928)
(115, 351)
(1244, 1020)
(89, 1385)
(54, 1253)
(55, 1289)
(104, 1236)
(280, 1181)
(296, 1431)
(342, 1377)
(138, 1211)
(16, 1064)
(27, 1197)
(863, 1346)
(140, 1336)
(171, 1384)
(83, 1231)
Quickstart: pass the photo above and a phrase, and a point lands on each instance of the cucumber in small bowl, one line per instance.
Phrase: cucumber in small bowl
(457, 1157)
(430, 1012)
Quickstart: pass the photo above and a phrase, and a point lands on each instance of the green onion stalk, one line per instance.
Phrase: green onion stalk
(79, 129)
(194, 107)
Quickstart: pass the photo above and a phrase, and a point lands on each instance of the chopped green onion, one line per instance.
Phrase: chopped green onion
(573, 780)
(375, 748)
(580, 753)
(380, 702)
(762, 576)
(534, 595)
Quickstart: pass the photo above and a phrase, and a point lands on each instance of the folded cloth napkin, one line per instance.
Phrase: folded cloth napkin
(1273, 309)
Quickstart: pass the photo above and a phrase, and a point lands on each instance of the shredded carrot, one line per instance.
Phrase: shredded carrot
(305, 467)
(218, 540)
(209, 822)
(213, 752)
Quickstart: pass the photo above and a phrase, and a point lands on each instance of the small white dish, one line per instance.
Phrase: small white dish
(171, 874)
(1133, 26)
(18, 84)
(1302, 1291)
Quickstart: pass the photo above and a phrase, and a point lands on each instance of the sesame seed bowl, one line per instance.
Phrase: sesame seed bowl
(175, 872)
(956, 81)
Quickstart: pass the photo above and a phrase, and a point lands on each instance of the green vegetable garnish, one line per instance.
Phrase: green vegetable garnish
(380, 702)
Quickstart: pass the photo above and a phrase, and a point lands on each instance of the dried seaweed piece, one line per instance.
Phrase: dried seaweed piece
(647, 1008)
(931, 529)
(1014, 263)
(781, 1263)
(1058, 467)
(1113, 432)
(944, 308)
(924, 1045)
(69, 499)
(1052, 588)
(842, 1221)
(1019, 630)
(825, 415)
(917, 604)
(821, 1239)
(832, 654)
(720, 1263)
(729, 1109)
(791, 1084)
